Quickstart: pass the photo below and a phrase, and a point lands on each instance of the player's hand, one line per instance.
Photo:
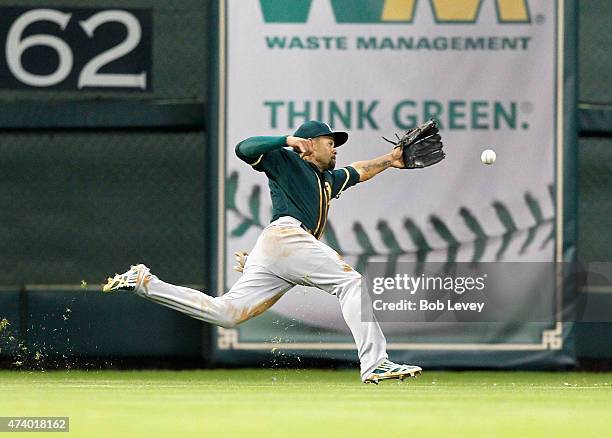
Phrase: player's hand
(240, 257)
(397, 159)
(302, 146)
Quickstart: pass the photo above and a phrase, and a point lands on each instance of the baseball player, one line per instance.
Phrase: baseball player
(303, 181)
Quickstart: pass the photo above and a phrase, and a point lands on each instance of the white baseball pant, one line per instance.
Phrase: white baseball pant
(285, 255)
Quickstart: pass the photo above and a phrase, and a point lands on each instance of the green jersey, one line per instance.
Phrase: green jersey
(297, 187)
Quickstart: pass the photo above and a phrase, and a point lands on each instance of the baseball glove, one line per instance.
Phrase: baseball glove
(421, 146)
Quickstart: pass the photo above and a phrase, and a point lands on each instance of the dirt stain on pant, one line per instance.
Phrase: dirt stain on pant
(251, 312)
(345, 266)
(277, 241)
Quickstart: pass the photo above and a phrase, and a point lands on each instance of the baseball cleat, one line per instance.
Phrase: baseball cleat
(389, 370)
(129, 280)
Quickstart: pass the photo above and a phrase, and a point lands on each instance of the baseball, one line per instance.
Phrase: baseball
(488, 156)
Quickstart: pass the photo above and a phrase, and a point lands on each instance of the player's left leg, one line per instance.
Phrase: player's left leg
(255, 291)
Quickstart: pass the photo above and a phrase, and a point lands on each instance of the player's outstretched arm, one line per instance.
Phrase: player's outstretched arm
(370, 168)
(252, 148)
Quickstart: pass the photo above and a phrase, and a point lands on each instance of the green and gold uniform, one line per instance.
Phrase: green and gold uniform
(297, 187)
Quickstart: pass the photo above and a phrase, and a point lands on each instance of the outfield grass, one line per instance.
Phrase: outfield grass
(296, 403)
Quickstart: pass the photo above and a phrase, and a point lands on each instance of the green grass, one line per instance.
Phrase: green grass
(295, 403)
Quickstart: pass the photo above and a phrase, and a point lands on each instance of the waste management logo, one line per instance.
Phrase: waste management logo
(395, 11)
(485, 26)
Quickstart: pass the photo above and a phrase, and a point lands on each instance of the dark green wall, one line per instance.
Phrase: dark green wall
(92, 182)
(595, 143)
(594, 60)
(595, 165)
(79, 205)
(68, 326)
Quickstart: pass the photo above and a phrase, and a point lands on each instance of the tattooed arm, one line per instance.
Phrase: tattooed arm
(370, 168)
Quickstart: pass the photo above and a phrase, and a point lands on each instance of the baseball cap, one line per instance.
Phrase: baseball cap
(314, 128)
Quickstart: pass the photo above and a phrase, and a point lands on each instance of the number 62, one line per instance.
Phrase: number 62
(89, 76)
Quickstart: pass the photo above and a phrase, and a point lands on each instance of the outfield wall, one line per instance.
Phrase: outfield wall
(95, 179)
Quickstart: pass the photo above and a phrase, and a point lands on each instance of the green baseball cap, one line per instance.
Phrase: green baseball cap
(314, 128)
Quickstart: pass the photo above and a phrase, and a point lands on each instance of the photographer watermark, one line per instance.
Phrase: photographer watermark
(478, 292)
(412, 285)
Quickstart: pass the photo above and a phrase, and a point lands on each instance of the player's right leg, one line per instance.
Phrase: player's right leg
(335, 276)
(255, 291)
(299, 258)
